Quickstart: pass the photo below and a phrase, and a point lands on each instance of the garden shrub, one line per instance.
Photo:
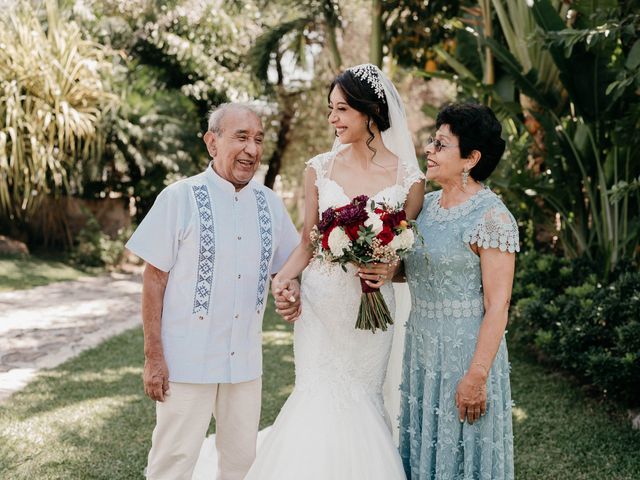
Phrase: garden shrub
(589, 327)
(94, 248)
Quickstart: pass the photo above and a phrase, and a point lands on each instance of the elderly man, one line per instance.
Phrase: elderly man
(211, 243)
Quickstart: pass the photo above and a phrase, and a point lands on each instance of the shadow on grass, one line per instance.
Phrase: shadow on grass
(560, 434)
(85, 419)
(113, 368)
(89, 418)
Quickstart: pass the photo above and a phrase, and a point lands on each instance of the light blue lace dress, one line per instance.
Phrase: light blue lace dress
(447, 309)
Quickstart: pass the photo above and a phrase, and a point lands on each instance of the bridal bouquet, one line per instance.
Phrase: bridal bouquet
(363, 232)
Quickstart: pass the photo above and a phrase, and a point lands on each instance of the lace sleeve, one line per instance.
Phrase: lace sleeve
(412, 174)
(320, 163)
(496, 229)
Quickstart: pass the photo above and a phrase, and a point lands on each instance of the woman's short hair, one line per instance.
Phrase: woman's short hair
(361, 96)
(477, 128)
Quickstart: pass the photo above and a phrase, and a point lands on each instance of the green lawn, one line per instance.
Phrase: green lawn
(88, 419)
(20, 273)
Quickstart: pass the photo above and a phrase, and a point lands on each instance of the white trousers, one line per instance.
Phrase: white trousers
(182, 421)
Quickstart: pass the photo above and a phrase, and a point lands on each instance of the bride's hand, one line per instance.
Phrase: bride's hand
(377, 274)
(287, 298)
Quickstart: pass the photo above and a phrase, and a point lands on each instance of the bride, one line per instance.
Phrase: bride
(334, 425)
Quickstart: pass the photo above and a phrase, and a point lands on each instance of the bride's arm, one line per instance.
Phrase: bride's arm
(301, 255)
(412, 207)
(377, 274)
(415, 197)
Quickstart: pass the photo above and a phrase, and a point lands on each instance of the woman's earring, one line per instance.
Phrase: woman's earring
(465, 177)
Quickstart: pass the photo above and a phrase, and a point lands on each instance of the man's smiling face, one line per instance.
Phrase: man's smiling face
(237, 146)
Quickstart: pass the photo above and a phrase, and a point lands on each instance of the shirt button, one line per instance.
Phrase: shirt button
(239, 237)
(200, 317)
(232, 353)
(239, 275)
(236, 316)
(236, 198)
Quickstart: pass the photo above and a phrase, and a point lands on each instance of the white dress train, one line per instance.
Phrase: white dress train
(208, 460)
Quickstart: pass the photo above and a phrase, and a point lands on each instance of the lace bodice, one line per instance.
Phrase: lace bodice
(331, 194)
(445, 266)
(331, 355)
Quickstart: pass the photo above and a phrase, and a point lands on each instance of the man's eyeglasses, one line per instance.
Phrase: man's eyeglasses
(437, 144)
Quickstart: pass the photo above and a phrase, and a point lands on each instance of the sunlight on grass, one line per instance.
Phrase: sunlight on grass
(277, 338)
(20, 273)
(89, 418)
(519, 415)
(108, 375)
(37, 428)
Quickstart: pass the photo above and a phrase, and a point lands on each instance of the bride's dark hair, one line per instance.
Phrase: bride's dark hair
(361, 96)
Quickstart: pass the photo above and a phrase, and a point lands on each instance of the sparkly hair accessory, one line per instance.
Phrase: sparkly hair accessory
(369, 73)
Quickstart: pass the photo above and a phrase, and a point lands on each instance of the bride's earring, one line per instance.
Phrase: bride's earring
(465, 177)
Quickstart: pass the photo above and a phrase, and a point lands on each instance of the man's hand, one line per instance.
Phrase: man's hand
(287, 296)
(156, 373)
(155, 378)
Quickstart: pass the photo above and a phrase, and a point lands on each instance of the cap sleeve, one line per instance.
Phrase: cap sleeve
(412, 174)
(320, 163)
(496, 229)
(157, 238)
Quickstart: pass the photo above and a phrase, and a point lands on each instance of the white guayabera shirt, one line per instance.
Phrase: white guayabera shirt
(220, 248)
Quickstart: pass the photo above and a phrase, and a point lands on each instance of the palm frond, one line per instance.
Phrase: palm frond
(267, 44)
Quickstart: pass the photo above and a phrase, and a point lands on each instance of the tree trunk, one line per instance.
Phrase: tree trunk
(375, 54)
(275, 162)
(489, 71)
(333, 48)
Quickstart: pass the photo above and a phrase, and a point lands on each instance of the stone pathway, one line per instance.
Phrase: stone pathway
(44, 326)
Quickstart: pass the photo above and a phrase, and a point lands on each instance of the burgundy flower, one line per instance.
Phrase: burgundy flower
(328, 218)
(351, 214)
(393, 219)
(352, 231)
(386, 235)
(325, 238)
(360, 200)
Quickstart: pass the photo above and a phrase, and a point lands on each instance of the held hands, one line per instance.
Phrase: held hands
(471, 394)
(287, 296)
(155, 378)
(377, 274)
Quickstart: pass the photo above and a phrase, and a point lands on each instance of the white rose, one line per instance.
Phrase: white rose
(403, 241)
(338, 242)
(374, 222)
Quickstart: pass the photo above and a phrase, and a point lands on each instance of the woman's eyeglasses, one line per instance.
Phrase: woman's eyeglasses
(437, 144)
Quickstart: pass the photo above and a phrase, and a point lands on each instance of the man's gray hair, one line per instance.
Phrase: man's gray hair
(217, 114)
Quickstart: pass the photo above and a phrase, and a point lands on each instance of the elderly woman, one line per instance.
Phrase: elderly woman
(455, 420)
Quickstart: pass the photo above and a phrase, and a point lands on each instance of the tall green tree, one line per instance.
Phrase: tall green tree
(307, 26)
(588, 110)
(54, 98)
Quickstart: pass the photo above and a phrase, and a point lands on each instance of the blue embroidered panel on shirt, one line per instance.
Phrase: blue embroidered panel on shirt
(207, 251)
(266, 244)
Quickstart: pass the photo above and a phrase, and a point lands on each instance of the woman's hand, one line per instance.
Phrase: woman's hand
(286, 294)
(377, 274)
(471, 395)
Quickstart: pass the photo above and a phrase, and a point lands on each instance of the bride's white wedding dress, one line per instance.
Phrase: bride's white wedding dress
(334, 425)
